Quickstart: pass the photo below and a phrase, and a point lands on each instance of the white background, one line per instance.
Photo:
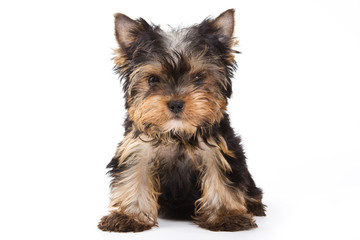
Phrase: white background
(295, 104)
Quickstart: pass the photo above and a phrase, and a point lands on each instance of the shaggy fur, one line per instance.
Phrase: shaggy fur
(179, 154)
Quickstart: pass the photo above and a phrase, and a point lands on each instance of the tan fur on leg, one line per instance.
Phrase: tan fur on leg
(221, 206)
(134, 191)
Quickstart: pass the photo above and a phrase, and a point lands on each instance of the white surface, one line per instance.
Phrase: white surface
(296, 105)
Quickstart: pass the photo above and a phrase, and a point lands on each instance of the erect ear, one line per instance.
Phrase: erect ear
(225, 23)
(124, 30)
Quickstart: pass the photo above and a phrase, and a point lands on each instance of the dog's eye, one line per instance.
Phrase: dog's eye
(153, 79)
(199, 78)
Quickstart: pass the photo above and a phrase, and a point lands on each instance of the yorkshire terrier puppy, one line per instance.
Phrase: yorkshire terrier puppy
(179, 154)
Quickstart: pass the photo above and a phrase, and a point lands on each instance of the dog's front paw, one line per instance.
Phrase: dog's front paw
(227, 222)
(117, 222)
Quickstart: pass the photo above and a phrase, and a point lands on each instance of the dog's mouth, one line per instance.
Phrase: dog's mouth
(177, 117)
(180, 126)
(174, 123)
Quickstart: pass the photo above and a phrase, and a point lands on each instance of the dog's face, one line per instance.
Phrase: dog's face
(179, 81)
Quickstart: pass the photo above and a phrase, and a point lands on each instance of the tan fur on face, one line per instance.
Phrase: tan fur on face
(152, 114)
(204, 105)
(201, 106)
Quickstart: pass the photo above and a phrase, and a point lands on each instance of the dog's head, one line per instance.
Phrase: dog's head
(178, 81)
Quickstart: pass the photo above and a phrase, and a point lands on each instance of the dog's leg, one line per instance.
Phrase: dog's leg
(222, 206)
(134, 188)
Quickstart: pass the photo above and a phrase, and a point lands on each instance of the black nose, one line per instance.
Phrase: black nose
(176, 106)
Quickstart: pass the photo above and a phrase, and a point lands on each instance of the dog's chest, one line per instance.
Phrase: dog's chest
(177, 172)
(174, 157)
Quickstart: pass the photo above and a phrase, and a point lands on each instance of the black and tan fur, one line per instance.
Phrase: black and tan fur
(179, 154)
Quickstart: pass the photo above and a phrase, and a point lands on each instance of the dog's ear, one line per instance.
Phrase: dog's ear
(225, 23)
(218, 32)
(125, 29)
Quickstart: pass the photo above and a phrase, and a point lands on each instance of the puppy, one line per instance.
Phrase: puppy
(179, 154)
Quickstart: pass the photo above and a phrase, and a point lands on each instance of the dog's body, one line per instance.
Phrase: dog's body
(179, 154)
